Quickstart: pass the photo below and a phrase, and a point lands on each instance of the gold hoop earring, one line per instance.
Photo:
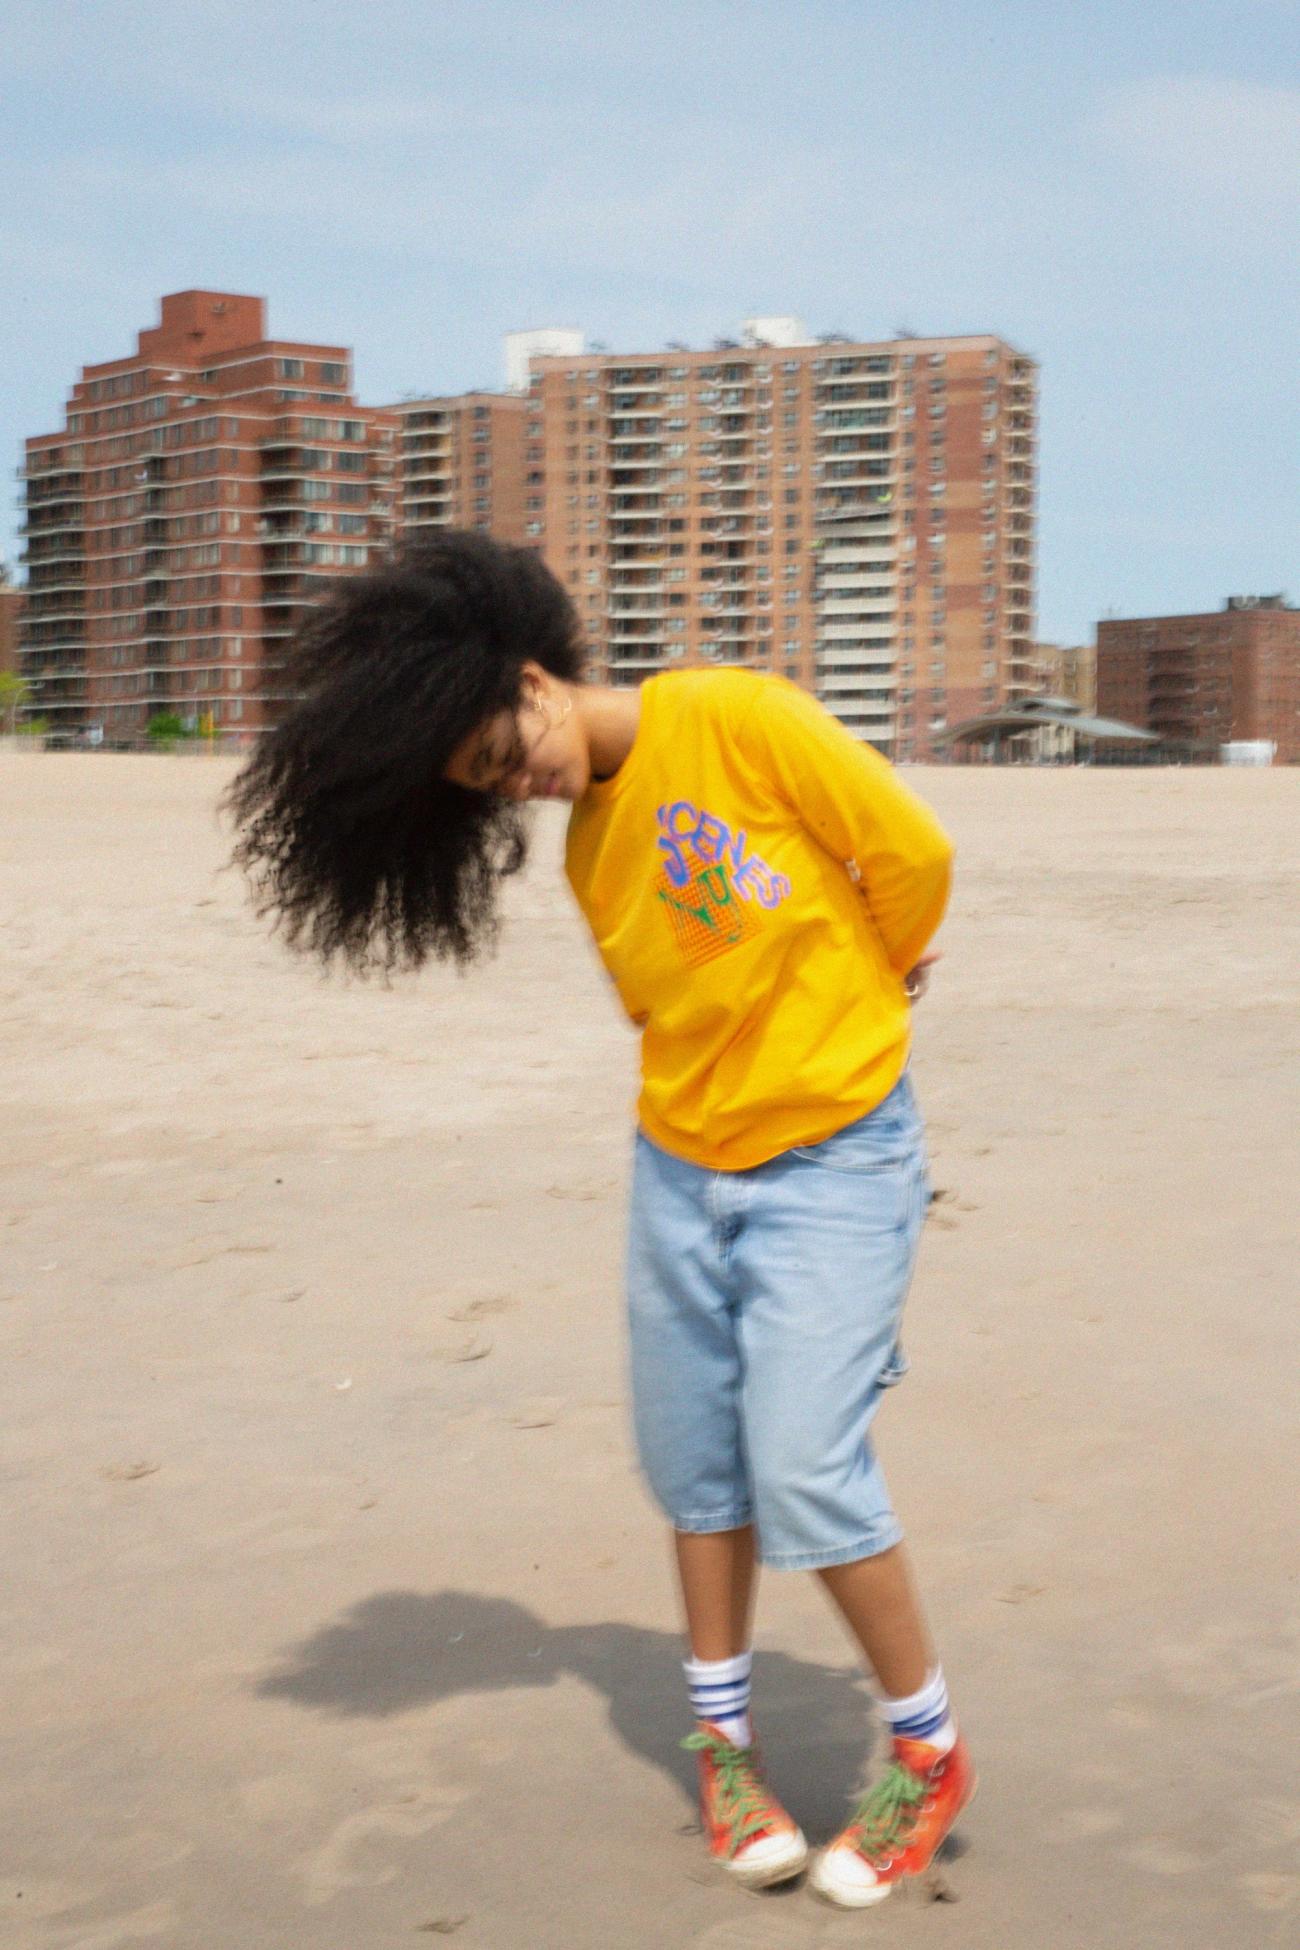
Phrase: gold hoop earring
(541, 705)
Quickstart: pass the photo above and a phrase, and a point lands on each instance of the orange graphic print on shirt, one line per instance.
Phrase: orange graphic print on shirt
(711, 886)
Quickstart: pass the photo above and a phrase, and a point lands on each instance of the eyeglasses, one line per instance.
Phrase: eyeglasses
(519, 753)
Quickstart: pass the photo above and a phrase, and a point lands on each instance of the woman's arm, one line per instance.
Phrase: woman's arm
(854, 804)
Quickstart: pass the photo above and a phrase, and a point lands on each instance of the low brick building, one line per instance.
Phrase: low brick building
(1207, 680)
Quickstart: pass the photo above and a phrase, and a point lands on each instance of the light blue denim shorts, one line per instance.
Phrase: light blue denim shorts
(764, 1308)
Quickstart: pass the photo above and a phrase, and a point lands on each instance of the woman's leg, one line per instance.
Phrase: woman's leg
(716, 1571)
(877, 1599)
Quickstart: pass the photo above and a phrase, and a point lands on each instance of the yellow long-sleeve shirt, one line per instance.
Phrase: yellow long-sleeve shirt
(758, 883)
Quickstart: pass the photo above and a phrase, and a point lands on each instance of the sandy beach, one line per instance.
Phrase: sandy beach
(334, 1613)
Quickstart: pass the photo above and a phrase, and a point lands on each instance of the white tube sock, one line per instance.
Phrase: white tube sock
(720, 1690)
(923, 1715)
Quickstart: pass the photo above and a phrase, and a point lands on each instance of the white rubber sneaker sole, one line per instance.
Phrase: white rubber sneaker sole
(776, 1858)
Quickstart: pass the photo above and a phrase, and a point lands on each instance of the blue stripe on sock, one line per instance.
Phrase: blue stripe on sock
(921, 1724)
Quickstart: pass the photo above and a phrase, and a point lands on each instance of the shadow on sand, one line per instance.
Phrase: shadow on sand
(405, 1649)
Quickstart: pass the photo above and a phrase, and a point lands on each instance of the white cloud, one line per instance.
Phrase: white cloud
(1238, 141)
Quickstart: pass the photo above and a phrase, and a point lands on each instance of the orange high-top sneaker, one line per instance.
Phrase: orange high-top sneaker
(749, 1833)
(897, 1826)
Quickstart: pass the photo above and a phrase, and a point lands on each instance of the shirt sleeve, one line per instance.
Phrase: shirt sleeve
(854, 804)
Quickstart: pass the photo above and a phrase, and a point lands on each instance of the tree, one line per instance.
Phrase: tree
(164, 728)
(15, 692)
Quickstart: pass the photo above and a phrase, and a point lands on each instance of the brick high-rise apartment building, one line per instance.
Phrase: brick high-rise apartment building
(460, 456)
(199, 494)
(460, 463)
(1227, 675)
(856, 516)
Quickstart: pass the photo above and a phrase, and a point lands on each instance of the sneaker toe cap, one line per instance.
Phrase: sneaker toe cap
(770, 1857)
(844, 1877)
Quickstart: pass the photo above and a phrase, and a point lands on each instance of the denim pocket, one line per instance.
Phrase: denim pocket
(886, 1139)
(858, 1160)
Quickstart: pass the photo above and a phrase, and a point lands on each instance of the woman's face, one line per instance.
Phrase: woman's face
(535, 752)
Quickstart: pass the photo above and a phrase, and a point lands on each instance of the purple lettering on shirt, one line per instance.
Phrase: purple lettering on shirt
(710, 837)
(676, 865)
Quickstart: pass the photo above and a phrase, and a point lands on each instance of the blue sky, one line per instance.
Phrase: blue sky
(1114, 188)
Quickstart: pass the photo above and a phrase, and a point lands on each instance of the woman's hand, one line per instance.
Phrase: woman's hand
(917, 980)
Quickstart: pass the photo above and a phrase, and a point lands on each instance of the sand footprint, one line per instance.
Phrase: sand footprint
(350, 1859)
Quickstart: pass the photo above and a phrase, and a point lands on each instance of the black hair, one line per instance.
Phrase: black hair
(349, 833)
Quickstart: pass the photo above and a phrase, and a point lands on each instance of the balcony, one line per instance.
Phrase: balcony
(846, 625)
(1171, 690)
(57, 693)
(845, 684)
(54, 586)
(858, 474)
(837, 584)
(626, 585)
(876, 721)
(878, 664)
(869, 519)
(71, 523)
(851, 392)
(63, 636)
(71, 479)
(837, 447)
(836, 610)
(286, 471)
(33, 615)
(851, 553)
(639, 626)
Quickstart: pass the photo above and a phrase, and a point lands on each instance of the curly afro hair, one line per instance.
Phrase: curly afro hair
(348, 831)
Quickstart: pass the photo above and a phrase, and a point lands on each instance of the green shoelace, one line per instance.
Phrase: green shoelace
(887, 1815)
(744, 1800)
